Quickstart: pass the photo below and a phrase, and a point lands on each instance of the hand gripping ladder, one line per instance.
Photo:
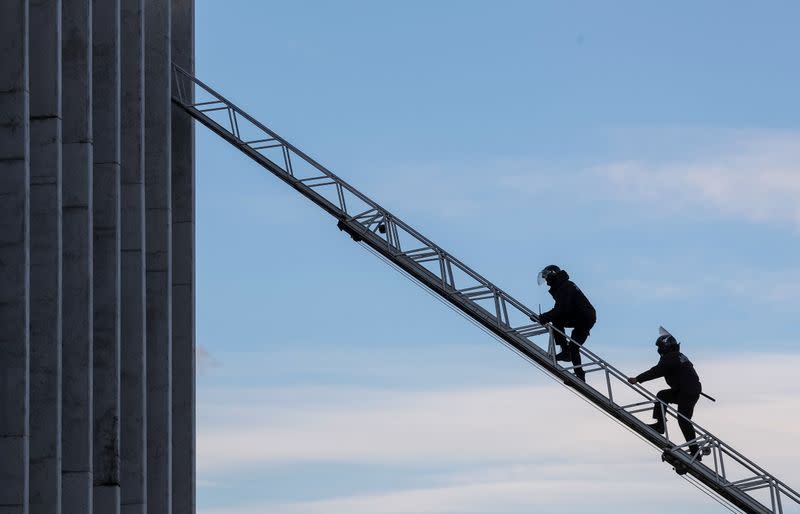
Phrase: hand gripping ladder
(732, 478)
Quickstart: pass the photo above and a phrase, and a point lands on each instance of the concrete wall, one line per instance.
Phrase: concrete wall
(96, 259)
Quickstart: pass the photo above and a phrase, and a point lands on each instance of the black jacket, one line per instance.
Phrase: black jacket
(572, 308)
(677, 370)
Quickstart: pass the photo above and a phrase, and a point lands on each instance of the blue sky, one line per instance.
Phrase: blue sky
(652, 149)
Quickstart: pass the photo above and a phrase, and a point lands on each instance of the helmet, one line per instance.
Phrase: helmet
(666, 342)
(546, 273)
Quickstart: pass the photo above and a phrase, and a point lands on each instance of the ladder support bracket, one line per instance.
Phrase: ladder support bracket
(346, 228)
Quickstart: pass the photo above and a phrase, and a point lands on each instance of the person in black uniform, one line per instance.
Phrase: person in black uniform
(685, 386)
(571, 309)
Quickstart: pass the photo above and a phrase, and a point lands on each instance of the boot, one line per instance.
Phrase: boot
(694, 451)
(658, 426)
(563, 356)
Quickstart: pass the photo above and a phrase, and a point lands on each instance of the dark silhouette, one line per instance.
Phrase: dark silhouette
(685, 387)
(572, 309)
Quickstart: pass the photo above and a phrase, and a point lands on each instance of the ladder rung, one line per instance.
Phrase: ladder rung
(266, 140)
(223, 108)
(321, 184)
(265, 147)
(369, 213)
(626, 407)
(750, 483)
(423, 256)
(588, 367)
(484, 296)
(529, 330)
(472, 288)
(211, 102)
(319, 177)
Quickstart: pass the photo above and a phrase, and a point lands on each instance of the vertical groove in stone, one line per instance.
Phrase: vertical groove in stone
(133, 440)
(183, 274)
(45, 248)
(14, 256)
(106, 253)
(158, 245)
(77, 309)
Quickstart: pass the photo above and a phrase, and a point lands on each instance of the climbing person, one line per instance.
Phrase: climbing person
(684, 386)
(572, 309)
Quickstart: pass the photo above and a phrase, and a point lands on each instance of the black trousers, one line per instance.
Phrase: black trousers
(685, 402)
(579, 334)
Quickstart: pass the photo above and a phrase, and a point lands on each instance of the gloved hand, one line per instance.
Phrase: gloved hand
(543, 319)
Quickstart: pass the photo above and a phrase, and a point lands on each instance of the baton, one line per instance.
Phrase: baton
(709, 397)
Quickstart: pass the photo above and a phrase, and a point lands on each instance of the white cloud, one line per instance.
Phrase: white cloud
(756, 178)
(765, 287)
(745, 175)
(653, 290)
(403, 427)
(520, 447)
(752, 176)
(781, 286)
(556, 494)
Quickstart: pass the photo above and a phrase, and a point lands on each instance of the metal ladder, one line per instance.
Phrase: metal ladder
(729, 476)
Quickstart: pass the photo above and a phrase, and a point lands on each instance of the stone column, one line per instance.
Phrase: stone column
(77, 309)
(106, 257)
(158, 243)
(133, 465)
(14, 256)
(183, 271)
(45, 243)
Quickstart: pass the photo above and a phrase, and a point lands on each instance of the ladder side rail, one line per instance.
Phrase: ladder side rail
(473, 309)
(439, 283)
